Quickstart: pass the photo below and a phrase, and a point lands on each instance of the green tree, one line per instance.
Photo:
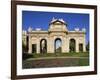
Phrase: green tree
(87, 46)
(24, 47)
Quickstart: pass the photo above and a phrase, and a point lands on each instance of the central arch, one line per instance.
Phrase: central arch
(43, 46)
(58, 45)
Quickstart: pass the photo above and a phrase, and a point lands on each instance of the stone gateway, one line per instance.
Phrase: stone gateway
(56, 39)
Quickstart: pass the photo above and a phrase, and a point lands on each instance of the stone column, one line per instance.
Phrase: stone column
(49, 45)
(77, 45)
(65, 45)
(52, 45)
(30, 45)
(84, 46)
(62, 45)
(38, 46)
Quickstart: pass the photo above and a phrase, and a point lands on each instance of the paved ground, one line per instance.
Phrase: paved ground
(55, 62)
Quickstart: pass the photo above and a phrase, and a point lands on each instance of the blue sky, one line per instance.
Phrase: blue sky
(42, 19)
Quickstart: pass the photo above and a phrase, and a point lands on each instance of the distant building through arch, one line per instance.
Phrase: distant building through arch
(58, 45)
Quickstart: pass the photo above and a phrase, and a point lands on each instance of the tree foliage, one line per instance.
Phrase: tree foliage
(24, 47)
(87, 46)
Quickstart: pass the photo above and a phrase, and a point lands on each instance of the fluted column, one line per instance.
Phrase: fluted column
(65, 45)
(84, 46)
(49, 45)
(77, 45)
(38, 46)
(30, 45)
(52, 45)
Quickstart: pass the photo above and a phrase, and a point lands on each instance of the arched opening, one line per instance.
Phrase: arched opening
(34, 48)
(81, 47)
(58, 45)
(72, 45)
(43, 46)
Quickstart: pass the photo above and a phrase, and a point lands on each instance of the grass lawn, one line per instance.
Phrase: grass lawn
(83, 62)
(55, 60)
